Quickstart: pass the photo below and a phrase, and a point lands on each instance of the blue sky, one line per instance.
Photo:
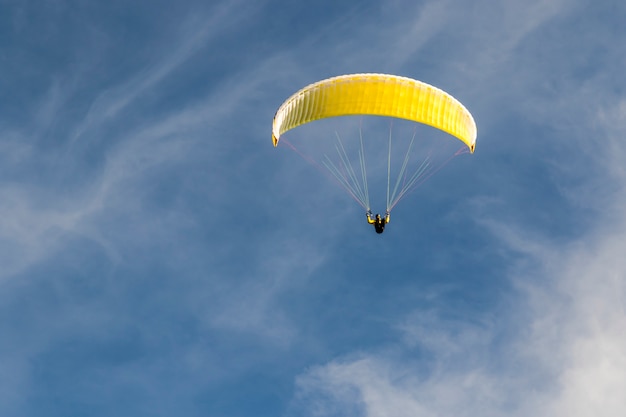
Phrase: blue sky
(159, 257)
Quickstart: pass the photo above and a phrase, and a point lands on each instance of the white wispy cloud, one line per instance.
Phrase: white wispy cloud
(36, 213)
(198, 32)
(557, 351)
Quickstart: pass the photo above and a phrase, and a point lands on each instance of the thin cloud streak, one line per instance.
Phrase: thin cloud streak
(197, 33)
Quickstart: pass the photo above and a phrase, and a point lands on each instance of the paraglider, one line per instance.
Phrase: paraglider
(376, 95)
(378, 222)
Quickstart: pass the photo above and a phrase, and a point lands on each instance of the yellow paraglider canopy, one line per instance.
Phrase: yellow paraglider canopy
(376, 95)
